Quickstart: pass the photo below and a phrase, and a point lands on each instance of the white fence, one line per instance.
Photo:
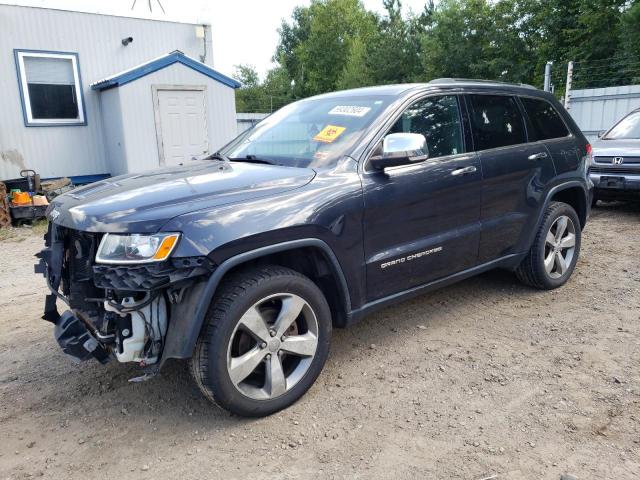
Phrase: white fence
(597, 109)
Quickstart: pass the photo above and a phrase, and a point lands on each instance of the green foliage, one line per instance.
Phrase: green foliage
(355, 73)
(587, 32)
(338, 44)
(394, 51)
(630, 39)
(247, 76)
(332, 33)
(251, 92)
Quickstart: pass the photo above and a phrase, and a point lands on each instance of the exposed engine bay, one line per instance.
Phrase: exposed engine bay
(137, 328)
(115, 311)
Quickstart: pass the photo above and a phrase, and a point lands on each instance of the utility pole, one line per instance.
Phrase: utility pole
(567, 93)
(547, 76)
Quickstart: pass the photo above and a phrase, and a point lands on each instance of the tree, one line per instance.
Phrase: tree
(292, 35)
(316, 47)
(630, 41)
(587, 32)
(277, 88)
(458, 42)
(356, 72)
(247, 76)
(250, 96)
(394, 51)
(338, 44)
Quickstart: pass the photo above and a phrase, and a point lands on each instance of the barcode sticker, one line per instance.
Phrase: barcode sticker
(349, 110)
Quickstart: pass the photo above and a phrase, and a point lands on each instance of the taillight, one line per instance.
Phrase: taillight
(589, 154)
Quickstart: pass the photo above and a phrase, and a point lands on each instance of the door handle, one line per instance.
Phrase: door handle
(538, 156)
(464, 171)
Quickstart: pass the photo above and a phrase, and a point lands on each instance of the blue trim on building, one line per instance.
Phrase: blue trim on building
(81, 179)
(155, 65)
(25, 118)
(85, 179)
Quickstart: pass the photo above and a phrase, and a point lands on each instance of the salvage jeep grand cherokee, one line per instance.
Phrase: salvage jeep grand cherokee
(328, 209)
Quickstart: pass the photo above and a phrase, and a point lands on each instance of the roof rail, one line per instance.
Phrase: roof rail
(475, 80)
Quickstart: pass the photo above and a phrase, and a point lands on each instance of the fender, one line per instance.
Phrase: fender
(547, 201)
(188, 316)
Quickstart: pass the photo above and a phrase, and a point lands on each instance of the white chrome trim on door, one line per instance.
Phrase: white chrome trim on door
(464, 171)
(538, 156)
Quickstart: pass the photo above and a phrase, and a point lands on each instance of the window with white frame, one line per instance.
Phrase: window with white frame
(50, 86)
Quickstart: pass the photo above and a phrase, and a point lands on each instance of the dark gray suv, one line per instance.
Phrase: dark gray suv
(327, 210)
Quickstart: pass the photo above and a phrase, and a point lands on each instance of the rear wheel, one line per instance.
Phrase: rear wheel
(554, 253)
(265, 342)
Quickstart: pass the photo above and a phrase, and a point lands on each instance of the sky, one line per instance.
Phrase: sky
(244, 31)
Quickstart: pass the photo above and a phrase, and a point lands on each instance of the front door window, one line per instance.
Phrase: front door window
(438, 119)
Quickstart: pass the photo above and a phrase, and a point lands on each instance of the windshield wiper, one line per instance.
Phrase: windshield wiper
(252, 159)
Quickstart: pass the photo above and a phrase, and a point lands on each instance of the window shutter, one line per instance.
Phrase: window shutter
(49, 71)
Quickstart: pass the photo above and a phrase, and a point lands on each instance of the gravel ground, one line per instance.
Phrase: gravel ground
(483, 379)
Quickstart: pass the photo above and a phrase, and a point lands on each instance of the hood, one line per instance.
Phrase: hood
(143, 202)
(616, 148)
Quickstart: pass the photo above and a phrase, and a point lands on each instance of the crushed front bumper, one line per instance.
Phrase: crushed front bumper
(74, 336)
(76, 341)
(86, 330)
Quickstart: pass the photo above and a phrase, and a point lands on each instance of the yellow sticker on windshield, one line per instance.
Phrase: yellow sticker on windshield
(329, 133)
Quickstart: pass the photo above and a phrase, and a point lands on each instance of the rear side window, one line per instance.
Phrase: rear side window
(496, 121)
(545, 120)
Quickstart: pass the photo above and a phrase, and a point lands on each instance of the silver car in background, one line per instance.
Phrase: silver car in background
(615, 170)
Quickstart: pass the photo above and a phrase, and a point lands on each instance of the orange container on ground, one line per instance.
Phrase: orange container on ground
(21, 198)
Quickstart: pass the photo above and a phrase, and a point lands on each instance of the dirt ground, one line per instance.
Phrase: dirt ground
(484, 379)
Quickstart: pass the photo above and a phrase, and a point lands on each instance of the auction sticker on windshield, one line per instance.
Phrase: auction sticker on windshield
(329, 133)
(350, 110)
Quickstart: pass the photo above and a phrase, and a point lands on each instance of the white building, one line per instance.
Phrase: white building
(89, 95)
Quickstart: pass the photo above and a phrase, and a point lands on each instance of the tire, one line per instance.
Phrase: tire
(533, 270)
(594, 201)
(244, 327)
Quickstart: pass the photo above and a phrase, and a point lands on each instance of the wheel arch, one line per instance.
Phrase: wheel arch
(310, 256)
(574, 193)
(576, 197)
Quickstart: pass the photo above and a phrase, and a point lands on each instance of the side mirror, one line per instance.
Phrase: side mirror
(601, 133)
(401, 149)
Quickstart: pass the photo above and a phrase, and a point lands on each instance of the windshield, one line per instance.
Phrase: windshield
(309, 133)
(628, 127)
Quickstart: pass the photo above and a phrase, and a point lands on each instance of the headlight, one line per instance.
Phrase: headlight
(136, 248)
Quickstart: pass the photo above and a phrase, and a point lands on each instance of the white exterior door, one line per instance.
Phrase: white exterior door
(181, 124)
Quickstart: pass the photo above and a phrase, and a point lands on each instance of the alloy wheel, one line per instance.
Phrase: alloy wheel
(272, 346)
(560, 246)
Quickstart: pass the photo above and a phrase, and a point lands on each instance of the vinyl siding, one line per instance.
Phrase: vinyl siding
(134, 136)
(75, 150)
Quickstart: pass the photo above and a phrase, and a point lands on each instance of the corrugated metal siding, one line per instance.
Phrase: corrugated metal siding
(132, 135)
(597, 109)
(247, 120)
(114, 134)
(73, 150)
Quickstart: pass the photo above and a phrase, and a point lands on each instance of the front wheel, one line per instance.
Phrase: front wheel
(554, 253)
(265, 341)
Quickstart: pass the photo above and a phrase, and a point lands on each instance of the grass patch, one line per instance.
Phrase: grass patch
(7, 233)
(18, 234)
(40, 226)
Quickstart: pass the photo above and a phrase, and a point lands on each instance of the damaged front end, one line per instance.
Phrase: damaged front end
(115, 310)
